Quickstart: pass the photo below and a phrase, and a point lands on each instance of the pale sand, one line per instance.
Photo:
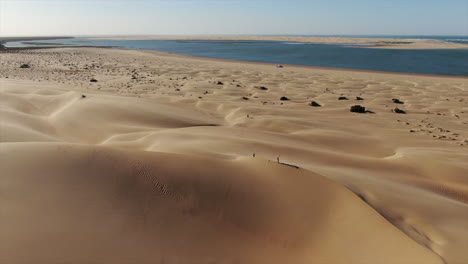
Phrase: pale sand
(381, 43)
(142, 170)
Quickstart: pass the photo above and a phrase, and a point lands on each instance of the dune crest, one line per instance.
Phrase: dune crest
(123, 206)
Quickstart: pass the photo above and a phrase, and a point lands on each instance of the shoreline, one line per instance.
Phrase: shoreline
(16, 49)
(380, 43)
(4, 40)
(241, 61)
(306, 66)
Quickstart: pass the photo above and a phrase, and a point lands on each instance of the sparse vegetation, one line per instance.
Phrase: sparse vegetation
(262, 88)
(25, 66)
(358, 109)
(93, 80)
(245, 98)
(220, 83)
(342, 98)
(359, 98)
(399, 111)
(284, 98)
(397, 101)
(315, 104)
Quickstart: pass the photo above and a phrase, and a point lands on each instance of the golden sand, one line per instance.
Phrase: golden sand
(153, 163)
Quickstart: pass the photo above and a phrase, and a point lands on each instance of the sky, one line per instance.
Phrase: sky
(233, 17)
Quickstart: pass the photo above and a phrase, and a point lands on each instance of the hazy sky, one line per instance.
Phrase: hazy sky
(195, 17)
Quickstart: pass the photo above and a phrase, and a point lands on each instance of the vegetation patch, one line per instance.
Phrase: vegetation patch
(315, 104)
(399, 111)
(358, 109)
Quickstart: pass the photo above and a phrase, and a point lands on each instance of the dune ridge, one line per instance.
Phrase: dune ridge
(155, 161)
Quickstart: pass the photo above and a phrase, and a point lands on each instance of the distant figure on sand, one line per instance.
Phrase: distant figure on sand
(253, 155)
(278, 158)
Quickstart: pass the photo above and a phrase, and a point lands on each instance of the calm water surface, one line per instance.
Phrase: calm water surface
(444, 62)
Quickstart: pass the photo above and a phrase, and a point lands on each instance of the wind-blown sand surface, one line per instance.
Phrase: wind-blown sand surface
(379, 43)
(153, 163)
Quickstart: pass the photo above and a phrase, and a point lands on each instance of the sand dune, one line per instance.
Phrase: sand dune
(153, 163)
(115, 206)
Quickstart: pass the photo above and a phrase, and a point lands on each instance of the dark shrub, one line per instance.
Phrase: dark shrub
(220, 83)
(358, 109)
(399, 111)
(284, 98)
(245, 98)
(342, 98)
(315, 104)
(262, 88)
(359, 98)
(93, 80)
(397, 101)
(25, 66)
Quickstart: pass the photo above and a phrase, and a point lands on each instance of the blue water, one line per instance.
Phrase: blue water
(443, 62)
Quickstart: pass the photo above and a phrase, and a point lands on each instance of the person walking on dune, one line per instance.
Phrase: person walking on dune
(278, 158)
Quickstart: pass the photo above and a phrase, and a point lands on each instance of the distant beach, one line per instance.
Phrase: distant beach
(373, 54)
(374, 42)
